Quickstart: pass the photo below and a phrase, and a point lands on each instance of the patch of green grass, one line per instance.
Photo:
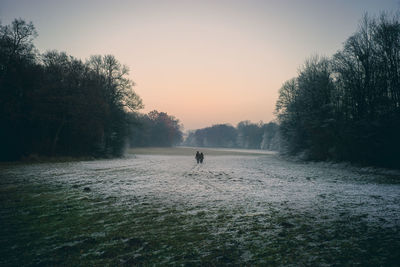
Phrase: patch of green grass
(51, 226)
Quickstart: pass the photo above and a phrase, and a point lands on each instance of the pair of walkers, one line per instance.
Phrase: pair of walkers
(199, 157)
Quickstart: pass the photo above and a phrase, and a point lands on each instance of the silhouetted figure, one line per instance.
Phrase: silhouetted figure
(201, 157)
(197, 157)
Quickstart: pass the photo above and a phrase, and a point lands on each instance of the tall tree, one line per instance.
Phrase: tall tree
(55, 104)
(347, 107)
(18, 74)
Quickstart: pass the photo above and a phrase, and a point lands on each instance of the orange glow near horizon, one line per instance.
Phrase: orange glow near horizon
(230, 78)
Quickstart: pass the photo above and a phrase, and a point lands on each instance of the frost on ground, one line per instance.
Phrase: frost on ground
(233, 209)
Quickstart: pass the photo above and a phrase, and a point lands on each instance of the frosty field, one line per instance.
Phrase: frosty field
(158, 207)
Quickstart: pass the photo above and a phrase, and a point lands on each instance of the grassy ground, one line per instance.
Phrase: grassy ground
(189, 151)
(160, 208)
(52, 228)
(56, 229)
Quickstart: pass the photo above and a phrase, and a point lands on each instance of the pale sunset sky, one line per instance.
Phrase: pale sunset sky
(204, 62)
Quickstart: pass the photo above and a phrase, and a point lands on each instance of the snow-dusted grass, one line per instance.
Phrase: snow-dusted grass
(191, 151)
(162, 208)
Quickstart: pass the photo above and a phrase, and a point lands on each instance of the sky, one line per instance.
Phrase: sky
(204, 62)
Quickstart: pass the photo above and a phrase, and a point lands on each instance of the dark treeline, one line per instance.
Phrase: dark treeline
(347, 107)
(246, 135)
(155, 129)
(54, 104)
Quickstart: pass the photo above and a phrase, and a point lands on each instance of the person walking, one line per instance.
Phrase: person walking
(201, 157)
(197, 157)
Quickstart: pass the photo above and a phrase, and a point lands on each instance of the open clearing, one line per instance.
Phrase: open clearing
(157, 206)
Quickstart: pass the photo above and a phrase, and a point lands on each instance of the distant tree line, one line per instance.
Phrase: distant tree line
(54, 104)
(246, 135)
(347, 107)
(155, 129)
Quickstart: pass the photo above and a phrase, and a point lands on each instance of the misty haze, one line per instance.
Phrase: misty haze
(199, 133)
